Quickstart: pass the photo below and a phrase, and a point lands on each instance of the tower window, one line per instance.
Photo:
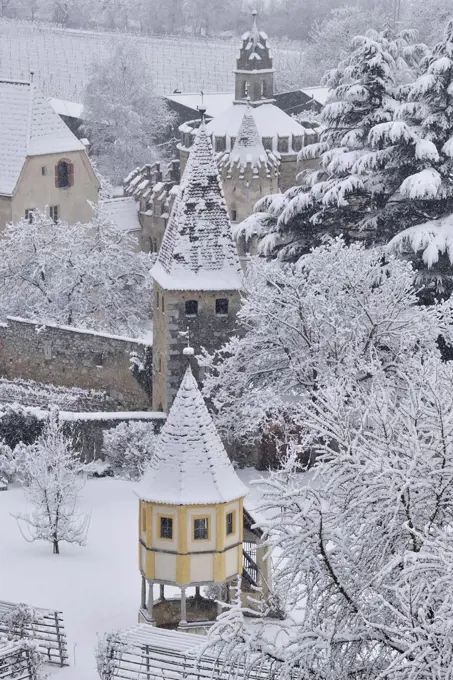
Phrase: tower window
(220, 143)
(283, 144)
(163, 303)
(201, 529)
(64, 175)
(221, 307)
(54, 213)
(263, 89)
(246, 88)
(234, 214)
(159, 365)
(166, 527)
(297, 143)
(191, 307)
(267, 143)
(157, 298)
(229, 524)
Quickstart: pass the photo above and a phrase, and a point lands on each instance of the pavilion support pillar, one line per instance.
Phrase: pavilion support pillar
(183, 621)
(150, 599)
(143, 594)
(197, 592)
(162, 591)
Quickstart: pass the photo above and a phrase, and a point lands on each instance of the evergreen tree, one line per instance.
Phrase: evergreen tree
(338, 197)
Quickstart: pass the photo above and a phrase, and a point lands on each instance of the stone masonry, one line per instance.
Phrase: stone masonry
(65, 356)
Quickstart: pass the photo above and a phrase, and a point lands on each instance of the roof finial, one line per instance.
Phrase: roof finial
(202, 108)
(188, 351)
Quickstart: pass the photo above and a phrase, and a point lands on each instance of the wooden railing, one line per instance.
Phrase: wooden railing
(46, 629)
(15, 661)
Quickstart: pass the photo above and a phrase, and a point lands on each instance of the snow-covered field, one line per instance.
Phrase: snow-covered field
(97, 587)
(61, 58)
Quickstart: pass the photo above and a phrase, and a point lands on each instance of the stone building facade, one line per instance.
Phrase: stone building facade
(43, 166)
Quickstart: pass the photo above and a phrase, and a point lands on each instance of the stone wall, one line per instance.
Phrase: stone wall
(65, 356)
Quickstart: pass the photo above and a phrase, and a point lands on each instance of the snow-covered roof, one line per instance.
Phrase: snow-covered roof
(123, 213)
(269, 119)
(248, 147)
(198, 251)
(191, 465)
(66, 108)
(319, 94)
(215, 103)
(28, 127)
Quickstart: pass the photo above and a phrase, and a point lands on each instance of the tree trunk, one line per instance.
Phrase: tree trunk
(56, 547)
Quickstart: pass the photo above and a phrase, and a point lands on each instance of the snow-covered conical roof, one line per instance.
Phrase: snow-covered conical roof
(255, 47)
(248, 148)
(191, 466)
(198, 251)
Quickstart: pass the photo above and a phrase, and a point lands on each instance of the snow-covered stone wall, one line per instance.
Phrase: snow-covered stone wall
(70, 357)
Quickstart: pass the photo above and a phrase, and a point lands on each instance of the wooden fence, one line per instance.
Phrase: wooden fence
(46, 629)
(15, 661)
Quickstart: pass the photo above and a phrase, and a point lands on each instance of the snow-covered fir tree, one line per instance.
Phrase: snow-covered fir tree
(338, 198)
(342, 312)
(85, 275)
(50, 472)
(362, 545)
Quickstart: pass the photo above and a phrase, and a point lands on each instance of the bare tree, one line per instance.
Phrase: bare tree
(50, 472)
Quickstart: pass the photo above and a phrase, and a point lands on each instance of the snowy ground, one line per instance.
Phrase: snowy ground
(97, 587)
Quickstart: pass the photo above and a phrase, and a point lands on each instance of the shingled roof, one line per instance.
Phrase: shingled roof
(198, 251)
(191, 465)
(28, 127)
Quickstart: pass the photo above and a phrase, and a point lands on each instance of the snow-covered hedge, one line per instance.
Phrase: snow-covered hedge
(129, 447)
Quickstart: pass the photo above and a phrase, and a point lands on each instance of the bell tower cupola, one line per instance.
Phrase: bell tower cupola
(254, 74)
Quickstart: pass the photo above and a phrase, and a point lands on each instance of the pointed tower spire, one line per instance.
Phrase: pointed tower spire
(248, 147)
(254, 69)
(198, 251)
(191, 466)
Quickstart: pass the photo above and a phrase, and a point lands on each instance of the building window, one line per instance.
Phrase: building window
(163, 303)
(166, 527)
(221, 307)
(267, 143)
(246, 88)
(220, 144)
(43, 171)
(297, 143)
(143, 519)
(54, 212)
(234, 214)
(29, 214)
(201, 529)
(191, 308)
(157, 298)
(159, 365)
(229, 524)
(64, 175)
(263, 89)
(283, 144)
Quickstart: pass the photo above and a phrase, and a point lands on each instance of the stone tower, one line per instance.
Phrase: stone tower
(191, 505)
(254, 73)
(197, 276)
(248, 171)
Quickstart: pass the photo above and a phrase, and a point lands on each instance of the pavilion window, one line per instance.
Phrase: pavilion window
(201, 529)
(166, 527)
(297, 143)
(191, 308)
(229, 524)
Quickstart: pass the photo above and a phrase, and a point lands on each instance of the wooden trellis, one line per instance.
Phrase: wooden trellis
(15, 661)
(147, 653)
(47, 630)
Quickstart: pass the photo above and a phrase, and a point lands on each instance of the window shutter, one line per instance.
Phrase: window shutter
(56, 176)
(71, 174)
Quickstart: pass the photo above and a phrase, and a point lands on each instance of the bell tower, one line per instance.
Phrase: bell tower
(197, 276)
(254, 74)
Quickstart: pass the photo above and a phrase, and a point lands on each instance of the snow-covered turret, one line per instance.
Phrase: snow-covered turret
(191, 502)
(254, 68)
(248, 171)
(197, 276)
